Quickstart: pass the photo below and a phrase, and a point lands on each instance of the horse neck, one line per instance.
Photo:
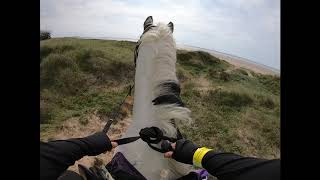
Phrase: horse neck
(155, 64)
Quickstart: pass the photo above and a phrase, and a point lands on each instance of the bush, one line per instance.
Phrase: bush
(183, 57)
(109, 70)
(214, 73)
(219, 74)
(266, 102)
(51, 70)
(199, 62)
(121, 70)
(239, 75)
(71, 71)
(83, 120)
(202, 58)
(241, 71)
(71, 82)
(207, 58)
(44, 52)
(271, 83)
(45, 35)
(224, 76)
(232, 99)
(182, 75)
(49, 110)
(45, 112)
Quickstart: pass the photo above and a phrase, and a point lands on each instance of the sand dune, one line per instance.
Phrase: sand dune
(237, 61)
(232, 59)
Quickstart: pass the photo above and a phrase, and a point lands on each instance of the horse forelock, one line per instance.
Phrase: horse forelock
(154, 33)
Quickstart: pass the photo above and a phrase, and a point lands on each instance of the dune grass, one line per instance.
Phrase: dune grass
(239, 111)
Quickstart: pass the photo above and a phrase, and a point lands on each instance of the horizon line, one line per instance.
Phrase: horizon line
(192, 46)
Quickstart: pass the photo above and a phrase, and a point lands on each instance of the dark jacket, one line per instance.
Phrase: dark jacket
(229, 166)
(57, 156)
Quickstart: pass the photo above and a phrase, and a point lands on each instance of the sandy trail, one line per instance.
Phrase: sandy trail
(72, 128)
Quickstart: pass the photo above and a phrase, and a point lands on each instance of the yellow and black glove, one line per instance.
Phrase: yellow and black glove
(189, 153)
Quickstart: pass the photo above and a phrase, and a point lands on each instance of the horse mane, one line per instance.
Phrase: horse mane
(170, 113)
(157, 101)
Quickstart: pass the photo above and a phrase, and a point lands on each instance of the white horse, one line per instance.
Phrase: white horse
(156, 102)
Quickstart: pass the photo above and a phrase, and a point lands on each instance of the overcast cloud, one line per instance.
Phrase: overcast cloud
(246, 28)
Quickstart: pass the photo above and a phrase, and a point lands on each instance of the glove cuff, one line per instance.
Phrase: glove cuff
(198, 156)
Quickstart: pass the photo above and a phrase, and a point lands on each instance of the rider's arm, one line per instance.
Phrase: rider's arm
(57, 156)
(225, 166)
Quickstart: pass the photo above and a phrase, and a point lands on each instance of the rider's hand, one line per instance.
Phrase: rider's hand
(110, 143)
(183, 151)
(114, 144)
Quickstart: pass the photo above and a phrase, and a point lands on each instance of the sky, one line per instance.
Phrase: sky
(245, 28)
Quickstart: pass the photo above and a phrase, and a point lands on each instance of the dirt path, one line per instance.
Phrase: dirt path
(72, 128)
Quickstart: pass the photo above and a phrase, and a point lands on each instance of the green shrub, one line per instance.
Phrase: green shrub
(51, 67)
(112, 70)
(124, 44)
(219, 74)
(181, 75)
(72, 82)
(241, 71)
(62, 73)
(45, 35)
(82, 57)
(231, 99)
(45, 112)
(121, 70)
(266, 102)
(200, 58)
(199, 62)
(214, 73)
(239, 75)
(64, 48)
(183, 57)
(271, 83)
(83, 120)
(224, 76)
(207, 58)
(44, 52)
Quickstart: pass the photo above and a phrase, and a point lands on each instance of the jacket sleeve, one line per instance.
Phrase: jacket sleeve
(57, 156)
(229, 166)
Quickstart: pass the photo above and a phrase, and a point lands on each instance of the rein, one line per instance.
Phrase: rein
(116, 113)
(151, 135)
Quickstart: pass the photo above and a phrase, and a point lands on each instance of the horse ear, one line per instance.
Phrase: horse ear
(148, 22)
(171, 26)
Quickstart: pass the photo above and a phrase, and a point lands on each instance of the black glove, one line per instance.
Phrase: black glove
(97, 143)
(109, 145)
(184, 151)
